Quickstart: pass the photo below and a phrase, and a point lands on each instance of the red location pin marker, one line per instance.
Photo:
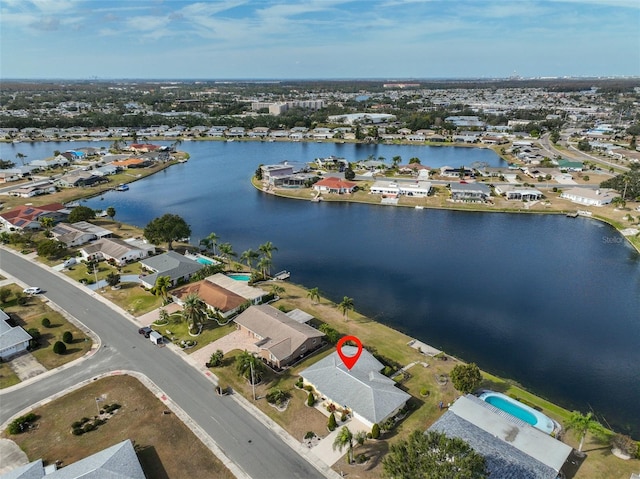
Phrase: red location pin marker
(349, 361)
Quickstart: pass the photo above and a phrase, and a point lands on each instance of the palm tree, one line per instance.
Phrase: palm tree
(194, 312)
(264, 266)
(226, 251)
(163, 316)
(314, 295)
(276, 289)
(345, 306)
(161, 288)
(396, 160)
(246, 362)
(267, 249)
(249, 256)
(47, 223)
(210, 242)
(21, 157)
(344, 438)
(584, 424)
(111, 212)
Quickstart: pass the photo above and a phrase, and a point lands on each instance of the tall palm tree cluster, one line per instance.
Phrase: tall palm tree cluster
(260, 259)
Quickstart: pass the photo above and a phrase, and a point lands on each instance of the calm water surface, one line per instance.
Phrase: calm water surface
(553, 303)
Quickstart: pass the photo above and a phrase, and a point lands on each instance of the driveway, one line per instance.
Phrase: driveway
(236, 340)
(26, 366)
(324, 450)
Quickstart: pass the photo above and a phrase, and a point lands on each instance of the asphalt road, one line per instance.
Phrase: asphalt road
(257, 450)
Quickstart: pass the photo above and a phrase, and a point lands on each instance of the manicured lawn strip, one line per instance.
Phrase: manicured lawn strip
(211, 331)
(7, 376)
(31, 315)
(133, 298)
(166, 447)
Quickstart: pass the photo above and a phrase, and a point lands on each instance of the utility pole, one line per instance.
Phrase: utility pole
(253, 384)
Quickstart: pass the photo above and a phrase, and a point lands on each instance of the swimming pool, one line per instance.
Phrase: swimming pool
(205, 261)
(240, 277)
(519, 410)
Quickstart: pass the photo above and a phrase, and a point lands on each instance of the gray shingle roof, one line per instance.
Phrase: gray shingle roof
(512, 449)
(170, 264)
(116, 462)
(363, 389)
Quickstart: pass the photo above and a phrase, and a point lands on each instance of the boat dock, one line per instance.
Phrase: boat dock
(424, 348)
(282, 275)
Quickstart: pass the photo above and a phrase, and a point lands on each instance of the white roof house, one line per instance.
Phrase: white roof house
(511, 447)
(589, 197)
(371, 396)
(418, 189)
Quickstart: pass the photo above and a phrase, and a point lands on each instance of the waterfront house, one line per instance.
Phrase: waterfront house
(523, 193)
(281, 339)
(511, 447)
(218, 299)
(241, 288)
(13, 339)
(589, 197)
(47, 163)
(79, 178)
(29, 191)
(371, 396)
(132, 163)
(469, 191)
(177, 267)
(271, 172)
(413, 169)
(333, 184)
(418, 189)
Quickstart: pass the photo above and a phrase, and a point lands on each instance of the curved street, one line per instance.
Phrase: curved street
(256, 449)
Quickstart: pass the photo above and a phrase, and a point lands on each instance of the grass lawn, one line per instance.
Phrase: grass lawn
(7, 376)
(166, 447)
(179, 331)
(31, 315)
(133, 298)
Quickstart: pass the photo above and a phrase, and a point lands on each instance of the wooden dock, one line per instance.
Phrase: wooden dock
(282, 275)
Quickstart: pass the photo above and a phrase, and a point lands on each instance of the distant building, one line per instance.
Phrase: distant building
(589, 197)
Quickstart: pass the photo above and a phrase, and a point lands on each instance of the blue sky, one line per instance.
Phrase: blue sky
(392, 39)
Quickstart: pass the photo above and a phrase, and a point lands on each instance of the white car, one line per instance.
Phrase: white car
(32, 290)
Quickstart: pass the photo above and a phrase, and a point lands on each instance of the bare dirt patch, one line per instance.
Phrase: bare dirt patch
(167, 449)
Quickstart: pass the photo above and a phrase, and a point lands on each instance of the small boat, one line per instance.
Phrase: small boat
(122, 187)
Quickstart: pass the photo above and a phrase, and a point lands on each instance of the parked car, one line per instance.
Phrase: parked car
(32, 290)
(145, 330)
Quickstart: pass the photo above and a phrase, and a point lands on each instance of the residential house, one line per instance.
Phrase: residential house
(271, 172)
(28, 217)
(50, 162)
(418, 189)
(412, 169)
(118, 461)
(79, 178)
(333, 184)
(132, 163)
(469, 191)
(241, 288)
(9, 174)
(220, 300)
(511, 447)
(177, 267)
(112, 249)
(143, 147)
(523, 193)
(450, 172)
(30, 191)
(78, 233)
(589, 197)
(73, 155)
(13, 339)
(281, 339)
(371, 396)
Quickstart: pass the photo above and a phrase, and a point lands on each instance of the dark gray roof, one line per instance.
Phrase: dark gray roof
(116, 462)
(512, 448)
(170, 264)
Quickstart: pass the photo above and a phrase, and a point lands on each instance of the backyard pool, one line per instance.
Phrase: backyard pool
(240, 277)
(205, 261)
(519, 410)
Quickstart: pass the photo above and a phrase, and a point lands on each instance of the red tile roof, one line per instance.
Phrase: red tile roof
(336, 183)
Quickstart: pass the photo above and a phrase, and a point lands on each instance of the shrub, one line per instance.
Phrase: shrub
(277, 397)
(343, 416)
(67, 337)
(216, 359)
(59, 347)
(21, 424)
(88, 427)
(311, 399)
(424, 392)
(21, 299)
(375, 431)
(76, 425)
(310, 435)
(625, 444)
(361, 458)
(34, 333)
(5, 293)
(308, 387)
(77, 431)
(46, 323)
(331, 425)
(300, 383)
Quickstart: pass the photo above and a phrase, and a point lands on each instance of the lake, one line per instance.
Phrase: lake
(551, 302)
